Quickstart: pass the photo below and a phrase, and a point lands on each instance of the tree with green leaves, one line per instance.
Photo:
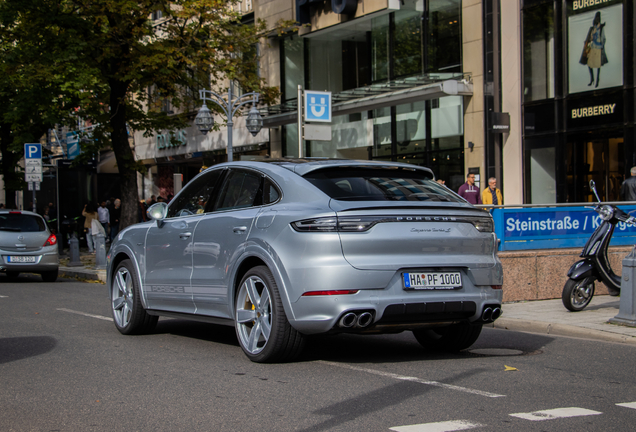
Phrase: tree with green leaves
(111, 52)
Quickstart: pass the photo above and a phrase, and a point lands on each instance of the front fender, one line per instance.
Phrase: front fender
(582, 269)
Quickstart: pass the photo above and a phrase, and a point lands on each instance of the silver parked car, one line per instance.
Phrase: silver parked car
(288, 248)
(27, 245)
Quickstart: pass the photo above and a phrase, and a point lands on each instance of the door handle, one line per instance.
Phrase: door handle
(185, 235)
(239, 230)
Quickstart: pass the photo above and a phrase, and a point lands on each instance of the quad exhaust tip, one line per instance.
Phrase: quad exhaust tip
(356, 319)
(348, 320)
(490, 314)
(364, 319)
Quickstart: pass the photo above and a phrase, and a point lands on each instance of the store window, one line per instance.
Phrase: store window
(538, 52)
(444, 37)
(292, 52)
(540, 163)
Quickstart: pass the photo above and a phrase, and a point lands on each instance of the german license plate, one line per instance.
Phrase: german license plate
(432, 281)
(21, 259)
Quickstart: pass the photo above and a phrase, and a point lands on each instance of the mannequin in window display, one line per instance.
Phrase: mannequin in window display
(593, 54)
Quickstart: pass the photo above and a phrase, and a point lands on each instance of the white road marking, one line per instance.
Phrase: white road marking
(555, 413)
(448, 426)
(86, 314)
(631, 405)
(413, 379)
(4, 296)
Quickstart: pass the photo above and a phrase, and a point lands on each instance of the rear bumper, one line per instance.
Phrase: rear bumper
(394, 308)
(46, 260)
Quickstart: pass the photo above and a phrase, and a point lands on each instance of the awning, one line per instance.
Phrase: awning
(374, 97)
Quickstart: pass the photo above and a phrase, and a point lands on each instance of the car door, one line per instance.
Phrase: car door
(219, 240)
(169, 246)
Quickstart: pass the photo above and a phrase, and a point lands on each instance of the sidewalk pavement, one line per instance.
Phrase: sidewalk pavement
(87, 271)
(551, 317)
(536, 316)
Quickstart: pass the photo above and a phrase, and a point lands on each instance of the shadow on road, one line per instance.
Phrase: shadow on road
(361, 349)
(19, 348)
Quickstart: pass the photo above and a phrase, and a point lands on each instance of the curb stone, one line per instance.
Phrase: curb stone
(540, 327)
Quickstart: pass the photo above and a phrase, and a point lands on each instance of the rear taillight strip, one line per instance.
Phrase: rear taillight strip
(365, 223)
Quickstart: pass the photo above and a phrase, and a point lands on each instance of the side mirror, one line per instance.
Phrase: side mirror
(158, 211)
(593, 187)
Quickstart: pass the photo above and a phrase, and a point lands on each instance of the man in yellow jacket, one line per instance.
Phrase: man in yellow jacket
(492, 195)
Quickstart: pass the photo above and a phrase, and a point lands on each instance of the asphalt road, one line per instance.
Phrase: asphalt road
(64, 367)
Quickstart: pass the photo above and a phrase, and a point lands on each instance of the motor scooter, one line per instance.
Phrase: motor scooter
(579, 289)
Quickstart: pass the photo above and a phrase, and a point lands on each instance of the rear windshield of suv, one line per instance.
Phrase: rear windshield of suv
(17, 222)
(380, 184)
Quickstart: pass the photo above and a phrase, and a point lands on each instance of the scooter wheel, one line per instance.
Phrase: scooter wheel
(577, 294)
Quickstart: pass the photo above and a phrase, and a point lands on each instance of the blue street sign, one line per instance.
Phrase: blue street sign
(317, 106)
(72, 145)
(33, 151)
(554, 227)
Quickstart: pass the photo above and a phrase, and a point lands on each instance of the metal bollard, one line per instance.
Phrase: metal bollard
(100, 251)
(74, 252)
(627, 310)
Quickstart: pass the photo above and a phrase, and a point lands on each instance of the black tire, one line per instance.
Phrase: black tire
(450, 339)
(129, 315)
(49, 276)
(12, 275)
(577, 294)
(262, 328)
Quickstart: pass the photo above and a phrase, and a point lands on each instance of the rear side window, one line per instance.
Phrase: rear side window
(196, 196)
(21, 223)
(240, 191)
(379, 184)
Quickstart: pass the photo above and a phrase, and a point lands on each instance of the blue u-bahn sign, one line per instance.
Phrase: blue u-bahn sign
(555, 227)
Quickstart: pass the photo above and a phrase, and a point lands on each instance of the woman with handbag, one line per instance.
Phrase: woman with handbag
(90, 214)
(593, 55)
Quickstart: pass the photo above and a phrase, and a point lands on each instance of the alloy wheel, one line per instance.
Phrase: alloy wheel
(254, 314)
(122, 295)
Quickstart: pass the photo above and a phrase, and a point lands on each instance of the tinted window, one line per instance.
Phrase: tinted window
(21, 223)
(240, 190)
(270, 193)
(370, 184)
(196, 197)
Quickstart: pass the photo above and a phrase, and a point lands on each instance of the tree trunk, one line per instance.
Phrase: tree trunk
(9, 162)
(123, 154)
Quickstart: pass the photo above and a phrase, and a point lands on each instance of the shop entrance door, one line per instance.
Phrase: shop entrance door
(594, 157)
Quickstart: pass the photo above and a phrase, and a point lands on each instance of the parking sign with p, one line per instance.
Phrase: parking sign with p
(33, 151)
(33, 162)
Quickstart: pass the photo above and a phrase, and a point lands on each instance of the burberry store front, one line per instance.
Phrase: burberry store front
(578, 98)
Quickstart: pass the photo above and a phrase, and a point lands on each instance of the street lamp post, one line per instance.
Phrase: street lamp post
(205, 121)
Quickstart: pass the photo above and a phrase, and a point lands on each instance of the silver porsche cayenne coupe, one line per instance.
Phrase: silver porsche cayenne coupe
(282, 249)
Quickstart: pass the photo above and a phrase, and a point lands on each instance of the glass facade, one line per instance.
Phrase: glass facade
(423, 37)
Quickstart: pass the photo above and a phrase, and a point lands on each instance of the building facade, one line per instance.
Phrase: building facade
(496, 88)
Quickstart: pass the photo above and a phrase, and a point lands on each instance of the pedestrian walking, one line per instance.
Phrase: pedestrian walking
(628, 188)
(90, 215)
(104, 217)
(492, 195)
(114, 219)
(469, 191)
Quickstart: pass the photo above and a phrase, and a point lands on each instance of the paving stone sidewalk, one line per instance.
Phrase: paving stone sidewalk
(551, 317)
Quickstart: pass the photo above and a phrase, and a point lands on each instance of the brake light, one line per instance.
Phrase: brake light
(15, 212)
(327, 293)
(496, 286)
(51, 241)
(337, 224)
